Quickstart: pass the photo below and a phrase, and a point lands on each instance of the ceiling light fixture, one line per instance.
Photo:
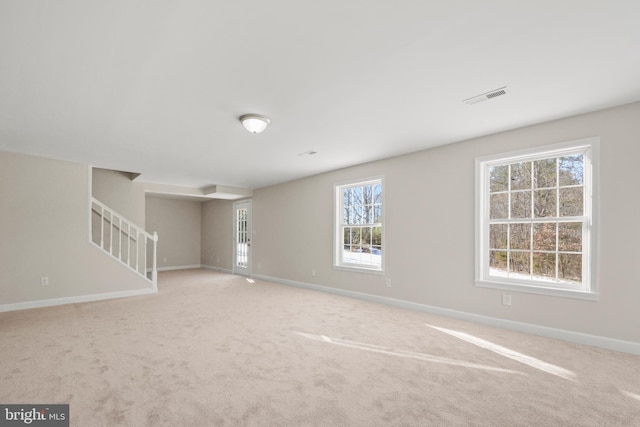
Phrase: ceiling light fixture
(254, 123)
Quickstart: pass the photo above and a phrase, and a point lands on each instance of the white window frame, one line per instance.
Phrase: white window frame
(588, 289)
(338, 262)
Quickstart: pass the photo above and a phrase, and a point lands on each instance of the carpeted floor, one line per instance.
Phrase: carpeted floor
(213, 349)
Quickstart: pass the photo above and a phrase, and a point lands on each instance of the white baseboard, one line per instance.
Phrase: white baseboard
(561, 334)
(219, 269)
(194, 266)
(74, 300)
(178, 267)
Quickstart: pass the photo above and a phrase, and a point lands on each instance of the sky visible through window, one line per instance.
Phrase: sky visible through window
(361, 228)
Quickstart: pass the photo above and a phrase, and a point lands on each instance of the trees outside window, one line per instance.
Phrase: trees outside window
(359, 217)
(535, 218)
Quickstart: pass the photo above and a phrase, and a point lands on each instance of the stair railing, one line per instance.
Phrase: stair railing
(123, 240)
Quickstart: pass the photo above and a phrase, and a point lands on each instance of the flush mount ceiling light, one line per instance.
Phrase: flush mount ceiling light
(254, 123)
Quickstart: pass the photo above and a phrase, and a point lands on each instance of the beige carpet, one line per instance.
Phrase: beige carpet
(213, 349)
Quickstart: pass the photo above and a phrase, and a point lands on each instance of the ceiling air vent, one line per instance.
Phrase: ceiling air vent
(486, 96)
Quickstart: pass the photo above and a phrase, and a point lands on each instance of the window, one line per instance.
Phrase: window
(359, 230)
(535, 220)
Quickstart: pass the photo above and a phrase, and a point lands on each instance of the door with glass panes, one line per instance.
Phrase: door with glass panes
(242, 238)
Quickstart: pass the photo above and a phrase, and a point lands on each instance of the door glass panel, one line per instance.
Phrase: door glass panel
(242, 238)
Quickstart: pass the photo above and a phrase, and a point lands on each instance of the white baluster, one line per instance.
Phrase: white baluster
(144, 270)
(120, 238)
(154, 272)
(102, 227)
(111, 236)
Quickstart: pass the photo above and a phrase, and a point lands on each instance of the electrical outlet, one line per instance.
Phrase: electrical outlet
(164, 260)
(313, 272)
(44, 280)
(387, 283)
(506, 299)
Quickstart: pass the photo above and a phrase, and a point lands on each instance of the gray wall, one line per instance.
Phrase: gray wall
(178, 224)
(116, 190)
(44, 226)
(429, 220)
(217, 234)
(429, 207)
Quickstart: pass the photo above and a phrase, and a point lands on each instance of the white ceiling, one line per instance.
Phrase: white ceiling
(156, 87)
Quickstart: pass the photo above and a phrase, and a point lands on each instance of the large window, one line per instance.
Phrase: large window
(359, 225)
(536, 220)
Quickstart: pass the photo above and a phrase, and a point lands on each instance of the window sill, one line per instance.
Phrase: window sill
(539, 290)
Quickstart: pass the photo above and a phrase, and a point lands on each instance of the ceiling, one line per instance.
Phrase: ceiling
(156, 87)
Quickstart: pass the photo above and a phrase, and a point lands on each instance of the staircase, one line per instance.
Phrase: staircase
(124, 241)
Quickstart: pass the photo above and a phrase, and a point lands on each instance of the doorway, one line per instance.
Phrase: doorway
(242, 238)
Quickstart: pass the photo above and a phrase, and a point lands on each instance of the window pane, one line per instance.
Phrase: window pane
(519, 263)
(544, 203)
(354, 236)
(570, 236)
(357, 212)
(521, 176)
(571, 170)
(346, 197)
(499, 178)
(365, 247)
(377, 191)
(544, 237)
(350, 254)
(521, 204)
(571, 201)
(570, 267)
(352, 244)
(544, 265)
(499, 206)
(367, 212)
(520, 236)
(376, 236)
(377, 214)
(498, 236)
(367, 195)
(497, 261)
(356, 193)
(544, 172)
(365, 238)
(345, 216)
